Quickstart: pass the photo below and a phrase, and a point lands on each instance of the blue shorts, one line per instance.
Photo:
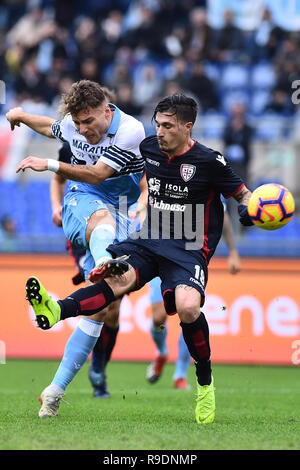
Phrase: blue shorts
(149, 265)
(78, 207)
(155, 290)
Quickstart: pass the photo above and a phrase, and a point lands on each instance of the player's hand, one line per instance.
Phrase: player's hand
(234, 262)
(139, 214)
(35, 163)
(244, 216)
(14, 117)
(56, 216)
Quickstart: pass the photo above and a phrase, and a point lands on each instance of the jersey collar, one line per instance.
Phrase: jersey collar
(114, 125)
(179, 155)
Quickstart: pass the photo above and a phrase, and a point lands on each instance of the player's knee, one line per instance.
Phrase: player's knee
(188, 310)
(188, 301)
(99, 217)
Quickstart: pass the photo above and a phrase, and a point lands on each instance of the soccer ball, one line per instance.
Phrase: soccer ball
(271, 206)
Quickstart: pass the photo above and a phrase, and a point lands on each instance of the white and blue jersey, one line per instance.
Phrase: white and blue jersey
(119, 149)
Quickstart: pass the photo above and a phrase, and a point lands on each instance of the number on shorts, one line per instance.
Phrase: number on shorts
(199, 274)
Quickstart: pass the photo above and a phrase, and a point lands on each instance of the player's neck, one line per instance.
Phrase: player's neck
(181, 149)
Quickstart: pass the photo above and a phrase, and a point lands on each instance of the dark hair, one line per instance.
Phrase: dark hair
(184, 107)
(81, 96)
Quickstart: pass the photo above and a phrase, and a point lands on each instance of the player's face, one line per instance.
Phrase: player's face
(173, 135)
(93, 123)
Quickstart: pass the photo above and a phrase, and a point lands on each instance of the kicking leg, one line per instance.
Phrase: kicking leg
(85, 301)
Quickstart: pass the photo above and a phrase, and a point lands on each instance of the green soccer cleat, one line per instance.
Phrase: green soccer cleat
(205, 403)
(47, 310)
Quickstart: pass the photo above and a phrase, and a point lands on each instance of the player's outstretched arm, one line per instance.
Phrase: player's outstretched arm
(242, 197)
(40, 124)
(93, 174)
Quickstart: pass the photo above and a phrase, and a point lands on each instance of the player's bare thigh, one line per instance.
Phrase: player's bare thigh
(101, 216)
(188, 301)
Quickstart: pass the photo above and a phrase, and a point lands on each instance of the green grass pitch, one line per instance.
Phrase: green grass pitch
(258, 408)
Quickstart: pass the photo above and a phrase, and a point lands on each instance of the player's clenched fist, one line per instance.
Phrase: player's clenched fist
(35, 163)
(56, 216)
(14, 117)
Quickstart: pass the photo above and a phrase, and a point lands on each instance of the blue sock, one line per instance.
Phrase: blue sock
(102, 236)
(183, 361)
(159, 337)
(77, 350)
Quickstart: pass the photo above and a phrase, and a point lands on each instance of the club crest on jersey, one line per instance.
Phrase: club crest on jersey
(187, 171)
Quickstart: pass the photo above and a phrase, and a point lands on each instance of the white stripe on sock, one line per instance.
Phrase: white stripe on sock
(90, 327)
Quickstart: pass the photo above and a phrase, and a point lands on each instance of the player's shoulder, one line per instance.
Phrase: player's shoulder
(149, 143)
(63, 122)
(129, 133)
(128, 122)
(206, 152)
(63, 128)
(66, 119)
(209, 155)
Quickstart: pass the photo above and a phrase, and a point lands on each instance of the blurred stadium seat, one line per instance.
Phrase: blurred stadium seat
(29, 206)
(272, 127)
(213, 124)
(262, 76)
(259, 98)
(230, 97)
(249, 81)
(234, 76)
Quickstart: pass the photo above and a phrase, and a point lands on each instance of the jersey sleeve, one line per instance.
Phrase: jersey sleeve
(61, 129)
(126, 149)
(225, 180)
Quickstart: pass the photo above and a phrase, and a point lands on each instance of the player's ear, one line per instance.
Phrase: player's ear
(189, 126)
